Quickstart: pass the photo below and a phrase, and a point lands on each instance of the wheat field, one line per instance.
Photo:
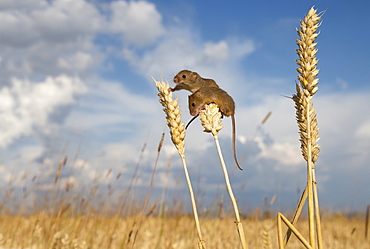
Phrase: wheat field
(99, 231)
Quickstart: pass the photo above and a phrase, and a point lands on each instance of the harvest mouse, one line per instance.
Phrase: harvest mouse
(191, 81)
(208, 95)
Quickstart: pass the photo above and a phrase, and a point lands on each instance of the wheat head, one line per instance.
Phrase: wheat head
(266, 238)
(173, 115)
(177, 131)
(210, 119)
(307, 62)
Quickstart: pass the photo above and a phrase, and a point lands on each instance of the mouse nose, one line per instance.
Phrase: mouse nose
(176, 79)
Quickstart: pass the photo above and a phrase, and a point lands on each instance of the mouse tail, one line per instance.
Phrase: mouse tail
(191, 120)
(233, 141)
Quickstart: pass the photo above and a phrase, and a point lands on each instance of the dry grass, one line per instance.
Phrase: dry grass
(44, 231)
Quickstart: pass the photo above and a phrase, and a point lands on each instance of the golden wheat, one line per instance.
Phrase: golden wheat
(173, 115)
(177, 131)
(308, 130)
(210, 119)
(266, 237)
(97, 230)
(305, 113)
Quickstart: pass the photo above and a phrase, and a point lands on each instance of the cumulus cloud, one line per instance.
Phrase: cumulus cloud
(79, 61)
(182, 48)
(59, 22)
(363, 131)
(20, 4)
(138, 21)
(28, 105)
(216, 52)
(49, 39)
(285, 154)
(110, 103)
(54, 21)
(42, 39)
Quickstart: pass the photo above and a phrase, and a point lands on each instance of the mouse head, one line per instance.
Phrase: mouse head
(185, 76)
(193, 108)
(194, 105)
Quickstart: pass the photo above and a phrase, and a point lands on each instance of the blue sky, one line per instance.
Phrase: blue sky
(75, 81)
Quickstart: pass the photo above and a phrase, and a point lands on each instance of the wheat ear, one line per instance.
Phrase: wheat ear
(266, 237)
(177, 131)
(210, 119)
(306, 115)
(307, 122)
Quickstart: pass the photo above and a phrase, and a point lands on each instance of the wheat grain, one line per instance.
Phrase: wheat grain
(66, 241)
(306, 115)
(266, 237)
(177, 131)
(56, 242)
(210, 119)
(173, 115)
(76, 244)
(308, 127)
(308, 84)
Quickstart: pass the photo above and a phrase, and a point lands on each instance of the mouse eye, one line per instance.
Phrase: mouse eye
(184, 76)
(192, 104)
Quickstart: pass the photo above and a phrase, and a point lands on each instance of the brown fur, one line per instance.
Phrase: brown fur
(226, 104)
(191, 81)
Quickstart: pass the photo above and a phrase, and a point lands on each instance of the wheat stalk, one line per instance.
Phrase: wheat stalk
(177, 131)
(307, 124)
(306, 115)
(210, 119)
(367, 220)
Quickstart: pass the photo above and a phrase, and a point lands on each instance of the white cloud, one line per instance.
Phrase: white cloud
(216, 52)
(56, 22)
(181, 47)
(21, 4)
(49, 39)
(58, 36)
(110, 103)
(363, 131)
(138, 21)
(29, 106)
(16, 29)
(79, 61)
(285, 154)
(65, 20)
